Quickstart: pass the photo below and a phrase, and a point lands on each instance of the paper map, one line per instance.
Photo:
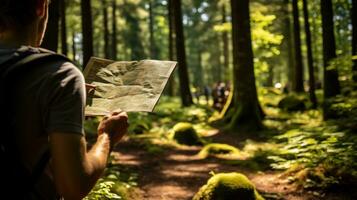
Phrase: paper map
(131, 86)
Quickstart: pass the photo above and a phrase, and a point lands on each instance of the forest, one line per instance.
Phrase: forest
(262, 104)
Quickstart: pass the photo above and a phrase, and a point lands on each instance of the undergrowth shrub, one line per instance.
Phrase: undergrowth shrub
(318, 157)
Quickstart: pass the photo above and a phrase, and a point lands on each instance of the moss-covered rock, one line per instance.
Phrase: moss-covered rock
(292, 103)
(228, 186)
(218, 149)
(184, 133)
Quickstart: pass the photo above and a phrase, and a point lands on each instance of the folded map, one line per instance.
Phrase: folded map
(131, 86)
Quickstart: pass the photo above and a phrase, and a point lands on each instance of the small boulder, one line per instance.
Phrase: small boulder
(292, 103)
(228, 186)
(184, 133)
(217, 149)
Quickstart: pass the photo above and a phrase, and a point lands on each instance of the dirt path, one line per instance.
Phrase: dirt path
(178, 173)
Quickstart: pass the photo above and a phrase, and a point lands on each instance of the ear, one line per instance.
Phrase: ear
(41, 8)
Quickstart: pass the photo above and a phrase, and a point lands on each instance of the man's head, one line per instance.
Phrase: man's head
(24, 20)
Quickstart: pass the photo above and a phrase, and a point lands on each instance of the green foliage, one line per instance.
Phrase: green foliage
(115, 184)
(226, 186)
(292, 103)
(139, 123)
(184, 133)
(343, 64)
(327, 157)
(218, 149)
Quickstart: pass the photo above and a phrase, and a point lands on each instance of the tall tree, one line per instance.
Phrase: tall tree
(186, 96)
(354, 38)
(331, 83)
(225, 41)
(50, 40)
(114, 30)
(106, 29)
(153, 47)
(288, 41)
(298, 84)
(63, 27)
(171, 84)
(133, 40)
(87, 30)
(74, 47)
(310, 60)
(243, 111)
(171, 21)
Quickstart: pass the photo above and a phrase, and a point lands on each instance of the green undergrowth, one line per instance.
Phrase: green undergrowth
(116, 183)
(318, 157)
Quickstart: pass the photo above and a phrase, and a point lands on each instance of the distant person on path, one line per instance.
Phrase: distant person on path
(207, 93)
(43, 146)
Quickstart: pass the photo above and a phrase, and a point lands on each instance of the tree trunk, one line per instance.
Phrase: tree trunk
(74, 50)
(289, 44)
(310, 60)
(87, 30)
(171, 84)
(153, 48)
(244, 111)
(50, 41)
(354, 38)
(298, 85)
(63, 27)
(106, 29)
(114, 31)
(331, 83)
(225, 42)
(186, 96)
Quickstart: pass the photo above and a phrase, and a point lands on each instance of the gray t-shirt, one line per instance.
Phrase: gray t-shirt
(49, 98)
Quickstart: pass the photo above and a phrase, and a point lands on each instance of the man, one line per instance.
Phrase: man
(46, 111)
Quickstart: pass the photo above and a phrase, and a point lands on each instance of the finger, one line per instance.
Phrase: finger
(90, 86)
(116, 112)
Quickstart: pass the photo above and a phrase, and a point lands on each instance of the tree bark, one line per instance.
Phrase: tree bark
(114, 31)
(354, 38)
(289, 43)
(87, 30)
(171, 30)
(310, 60)
(74, 50)
(243, 111)
(186, 96)
(298, 85)
(225, 42)
(50, 41)
(64, 45)
(106, 29)
(153, 47)
(331, 83)
(171, 84)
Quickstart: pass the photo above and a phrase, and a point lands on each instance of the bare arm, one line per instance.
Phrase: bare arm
(76, 170)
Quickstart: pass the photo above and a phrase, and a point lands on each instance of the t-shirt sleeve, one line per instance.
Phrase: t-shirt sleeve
(65, 100)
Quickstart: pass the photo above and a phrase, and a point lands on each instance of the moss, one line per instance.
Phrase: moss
(184, 133)
(292, 103)
(227, 186)
(121, 189)
(215, 148)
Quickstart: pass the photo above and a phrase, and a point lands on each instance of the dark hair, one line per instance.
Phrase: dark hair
(15, 14)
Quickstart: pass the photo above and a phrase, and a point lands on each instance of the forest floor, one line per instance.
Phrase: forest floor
(178, 173)
(297, 156)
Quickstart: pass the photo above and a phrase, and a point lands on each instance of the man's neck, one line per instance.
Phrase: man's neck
(13, 39)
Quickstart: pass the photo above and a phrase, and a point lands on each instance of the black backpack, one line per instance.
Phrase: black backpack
(16, 180)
